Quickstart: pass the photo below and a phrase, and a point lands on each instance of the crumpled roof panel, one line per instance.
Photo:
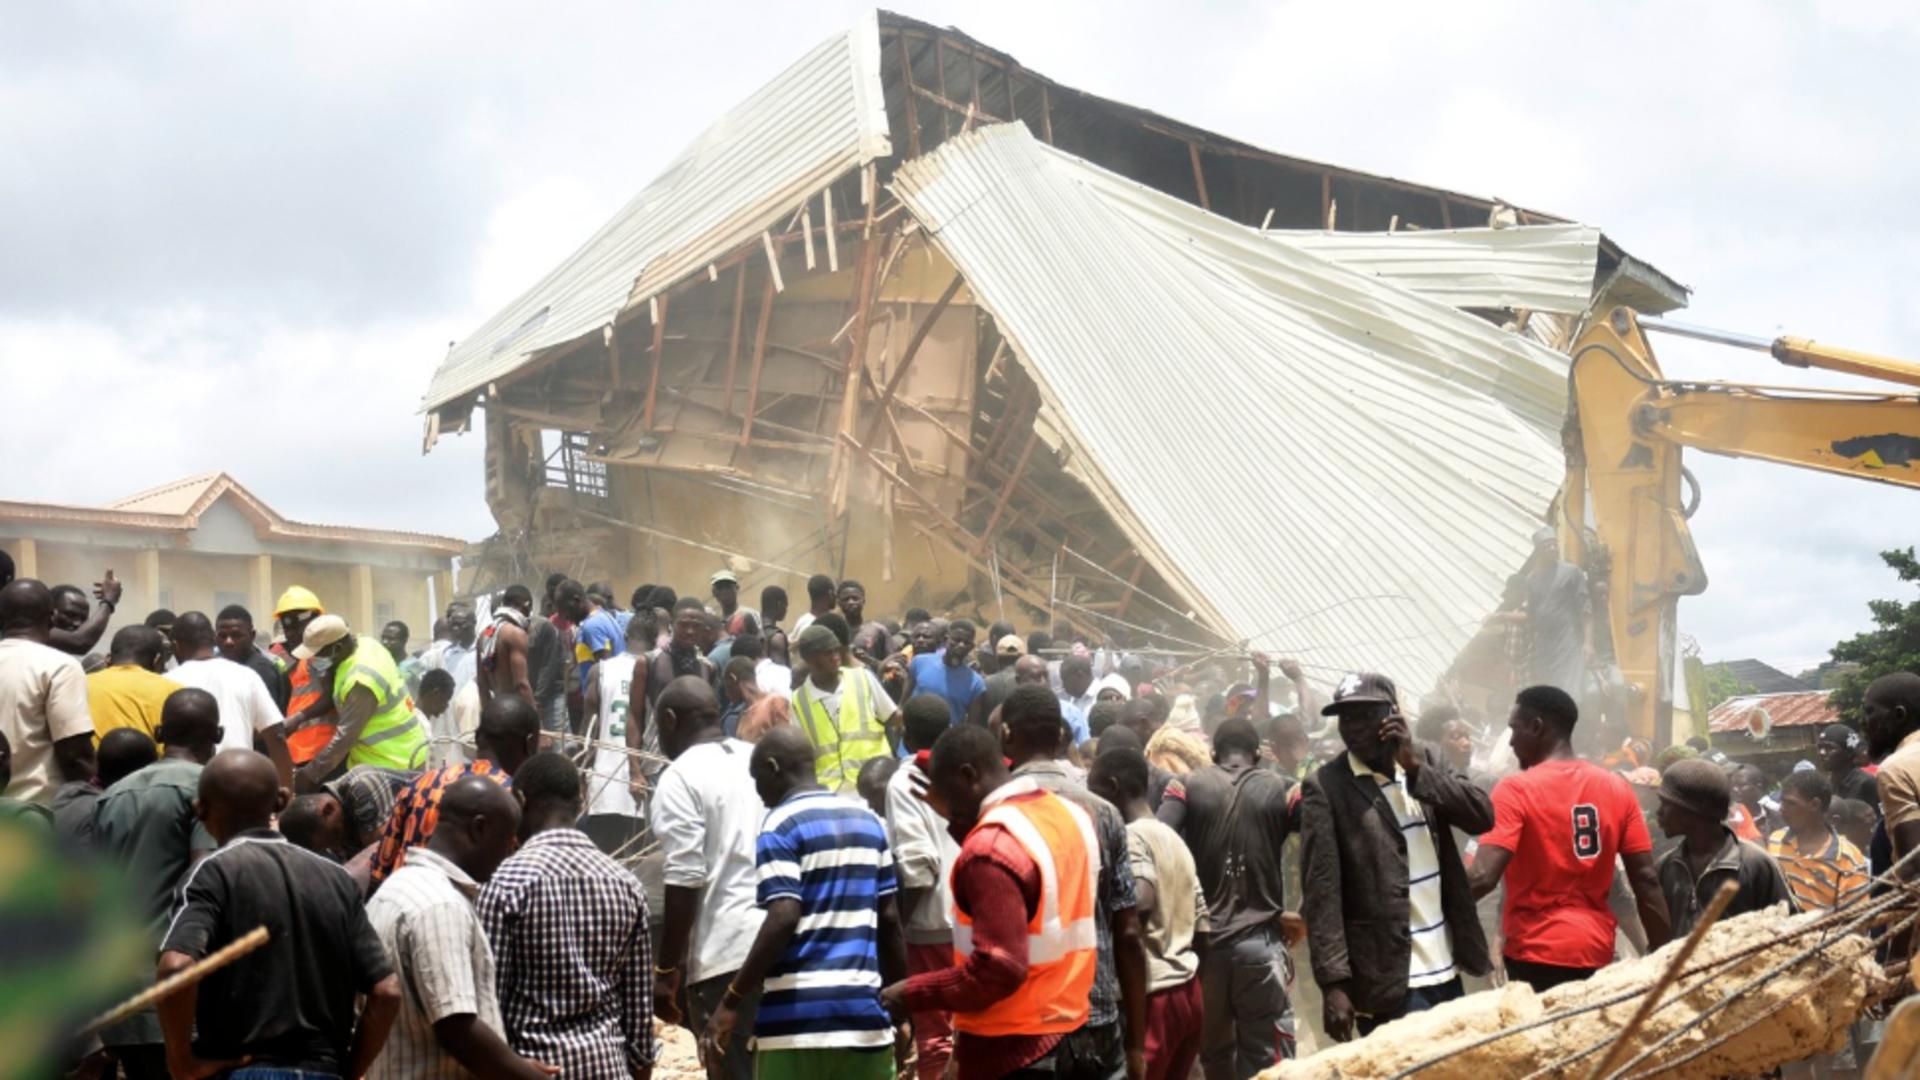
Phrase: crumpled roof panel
(815, 122)
(1805, 708)
(1324, 463)
(1537, 267)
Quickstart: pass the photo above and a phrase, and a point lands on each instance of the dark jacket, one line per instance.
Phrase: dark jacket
(1354, 861)
(1761, 883)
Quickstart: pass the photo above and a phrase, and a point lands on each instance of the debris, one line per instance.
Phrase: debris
(1811, 977)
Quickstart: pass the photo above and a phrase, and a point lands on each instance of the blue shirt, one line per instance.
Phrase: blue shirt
(959, 685)
(600, 631)
(831, 855)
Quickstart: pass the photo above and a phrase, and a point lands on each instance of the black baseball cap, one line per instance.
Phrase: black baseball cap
(1362, 688)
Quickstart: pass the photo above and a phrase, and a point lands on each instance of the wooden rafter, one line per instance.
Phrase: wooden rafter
(759, 358)
(733, 341)
(882, 409)
(1019, 471)
(913, 113)
(653, 380)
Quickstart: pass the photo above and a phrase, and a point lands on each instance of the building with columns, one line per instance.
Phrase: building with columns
(204, 542)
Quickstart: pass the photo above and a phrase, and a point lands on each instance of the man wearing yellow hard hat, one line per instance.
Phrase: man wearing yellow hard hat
(309, 701)
(374, 723)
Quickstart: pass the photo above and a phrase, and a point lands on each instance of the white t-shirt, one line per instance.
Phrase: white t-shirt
(707, 816)
(773, 678)
(607, 785)
(923, 856)
(43, 699)
(245, 705)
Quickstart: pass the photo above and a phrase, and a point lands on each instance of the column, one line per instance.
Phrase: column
(260, 591)
(360, 602)
(145, 591)
(26, 558)
(440, 594)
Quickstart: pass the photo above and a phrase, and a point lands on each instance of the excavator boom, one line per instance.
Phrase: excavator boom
(1626, 427)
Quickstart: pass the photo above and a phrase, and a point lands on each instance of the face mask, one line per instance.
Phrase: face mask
(320, 666)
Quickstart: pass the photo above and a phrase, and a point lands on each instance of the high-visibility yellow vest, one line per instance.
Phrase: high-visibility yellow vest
(393, 738)
(842, 744)
(1061, 936)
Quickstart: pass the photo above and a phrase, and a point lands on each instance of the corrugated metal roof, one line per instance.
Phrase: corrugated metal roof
(816, 121)
(1807, 708)
(1322, 462)
(1537, 267)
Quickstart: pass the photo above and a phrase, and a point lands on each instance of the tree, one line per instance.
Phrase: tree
(1893, 645)
(1720, 685)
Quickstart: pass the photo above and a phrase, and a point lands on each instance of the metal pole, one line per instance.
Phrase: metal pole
(1703, 333)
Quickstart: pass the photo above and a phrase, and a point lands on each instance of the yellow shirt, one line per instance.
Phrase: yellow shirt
(1824, 879)
(127, 695)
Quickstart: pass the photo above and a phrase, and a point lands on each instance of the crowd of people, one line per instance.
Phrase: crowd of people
(852, 847)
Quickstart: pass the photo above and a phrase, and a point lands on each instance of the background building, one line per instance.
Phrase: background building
(202, 543)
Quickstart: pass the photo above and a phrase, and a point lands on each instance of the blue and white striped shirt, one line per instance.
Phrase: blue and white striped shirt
(831, 855)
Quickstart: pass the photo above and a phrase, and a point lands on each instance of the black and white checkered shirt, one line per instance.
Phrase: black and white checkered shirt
(568, 927)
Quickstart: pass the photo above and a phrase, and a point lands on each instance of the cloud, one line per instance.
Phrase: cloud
(241, 236)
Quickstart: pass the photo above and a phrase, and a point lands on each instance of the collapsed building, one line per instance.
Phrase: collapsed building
(917, 314)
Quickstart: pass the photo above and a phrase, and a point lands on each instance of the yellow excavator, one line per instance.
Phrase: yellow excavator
(1627, 488)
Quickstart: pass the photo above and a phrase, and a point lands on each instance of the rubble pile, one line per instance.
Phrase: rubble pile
(679, 1054)
(1803, 1010)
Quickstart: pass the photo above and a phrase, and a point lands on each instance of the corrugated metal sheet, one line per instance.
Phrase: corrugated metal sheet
(1808, 708)
(1320, 461)
(1537, 267)
(819, 119)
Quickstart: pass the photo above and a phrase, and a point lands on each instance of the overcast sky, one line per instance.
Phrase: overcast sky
(240, 236)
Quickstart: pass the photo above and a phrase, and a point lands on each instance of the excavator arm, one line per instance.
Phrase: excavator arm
(1626, 427)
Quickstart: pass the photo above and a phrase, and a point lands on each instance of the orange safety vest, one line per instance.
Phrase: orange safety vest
(1061, 939)
(304, 690)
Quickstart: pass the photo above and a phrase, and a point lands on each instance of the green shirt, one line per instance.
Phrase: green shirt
(145, 824)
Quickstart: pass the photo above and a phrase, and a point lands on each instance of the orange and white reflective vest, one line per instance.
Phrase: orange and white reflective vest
(1061, 939)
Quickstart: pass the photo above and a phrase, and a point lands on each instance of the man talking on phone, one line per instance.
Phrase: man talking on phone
(1390, 917)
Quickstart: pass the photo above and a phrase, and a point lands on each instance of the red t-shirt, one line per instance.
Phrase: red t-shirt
(1564, 821)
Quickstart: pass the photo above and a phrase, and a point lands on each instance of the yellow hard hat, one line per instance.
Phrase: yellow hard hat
(297, 598)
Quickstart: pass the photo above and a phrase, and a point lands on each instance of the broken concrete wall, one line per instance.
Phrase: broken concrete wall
(1804, 1011)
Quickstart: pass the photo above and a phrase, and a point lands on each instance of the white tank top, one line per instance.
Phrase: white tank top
(607, 784)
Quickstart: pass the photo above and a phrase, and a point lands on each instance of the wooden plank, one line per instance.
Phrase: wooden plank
(913, 113)
(612, 337)
(856, 366)
(974, 70)
(1046, 114)
(1133, 585)
(833, 247)
(900, 445)
(1006, 494)
(1199, 176)
(733, 342)
(1446, 215)
(759, 357)
(773, 261)
(940, 66)
(906, 358)
(1006, 78)
(653, 380)
(1326, 195)
(950, 105)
